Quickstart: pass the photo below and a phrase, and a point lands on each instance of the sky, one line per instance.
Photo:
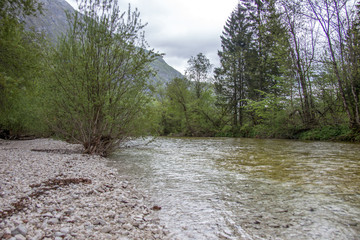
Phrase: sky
(182, 28)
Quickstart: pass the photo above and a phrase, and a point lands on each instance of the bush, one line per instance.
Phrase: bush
(97, 89)
(326, 133)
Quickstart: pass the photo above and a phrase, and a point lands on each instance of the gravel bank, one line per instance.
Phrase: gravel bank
(49, 190)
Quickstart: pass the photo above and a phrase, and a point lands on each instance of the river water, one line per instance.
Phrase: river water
(227, 188)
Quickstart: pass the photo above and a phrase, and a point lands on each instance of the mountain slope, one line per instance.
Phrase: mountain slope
(53, 23)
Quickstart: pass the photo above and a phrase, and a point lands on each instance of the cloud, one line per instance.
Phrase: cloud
(183, 28)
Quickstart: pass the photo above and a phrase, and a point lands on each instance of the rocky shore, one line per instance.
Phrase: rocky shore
(49, 190)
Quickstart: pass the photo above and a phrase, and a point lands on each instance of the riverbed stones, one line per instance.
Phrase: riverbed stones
(68, 196)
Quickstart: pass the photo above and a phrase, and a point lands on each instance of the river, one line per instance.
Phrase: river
(228, 188)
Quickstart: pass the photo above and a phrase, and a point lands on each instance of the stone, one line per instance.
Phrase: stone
(49, 215)
(106, 229)
(59, 234)
(7, 231)
(44, 225)
(21, 229)
(6, 236)
(53, 221)
(20, 237)
(39, 235)
(274, 225)
(65, 230)
(127, 226)
(136, 224)
(68, 212)
(99, 222)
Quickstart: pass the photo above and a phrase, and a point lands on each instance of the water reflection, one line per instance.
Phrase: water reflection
(248, 188)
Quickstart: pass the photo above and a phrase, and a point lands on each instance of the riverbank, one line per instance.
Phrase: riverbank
(334, 133)
(49, 190)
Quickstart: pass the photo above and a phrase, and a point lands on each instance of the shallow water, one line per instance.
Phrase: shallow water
(224, 188)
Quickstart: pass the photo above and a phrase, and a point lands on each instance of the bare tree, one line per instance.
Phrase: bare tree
(302, 42)
(334, 18)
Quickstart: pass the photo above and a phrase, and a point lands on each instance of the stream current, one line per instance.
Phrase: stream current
(227, 188)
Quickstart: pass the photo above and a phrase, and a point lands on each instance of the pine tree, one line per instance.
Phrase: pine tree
(254, 46)
(232, 77)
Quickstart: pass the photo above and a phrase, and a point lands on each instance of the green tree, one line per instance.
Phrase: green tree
(20, 68)
(15, 8)
(205, 116)
(198, 72)
(232, 78)
(99, 72)
(188, 107)
(179, 107)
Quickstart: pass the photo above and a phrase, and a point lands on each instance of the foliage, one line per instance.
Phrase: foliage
(13, 8)
(97, 86)
(276, 79)
(252, 53)
(20, 69)
(198, 72)
(188, 104)
(326, 133)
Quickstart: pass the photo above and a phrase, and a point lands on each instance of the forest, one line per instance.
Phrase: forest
(288, 69)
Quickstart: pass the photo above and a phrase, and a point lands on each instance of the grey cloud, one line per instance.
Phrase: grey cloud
(183, 28)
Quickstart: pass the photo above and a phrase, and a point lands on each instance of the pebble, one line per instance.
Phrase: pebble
(49, 215)
(59, 234)
(273, 225)
(127, 226)
(21, 229)
(65, 230)
(107, 208)
(53, 221)
(20, 237)
(106, 229)
(99, 222)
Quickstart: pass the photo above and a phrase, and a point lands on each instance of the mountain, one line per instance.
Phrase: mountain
(53, 23)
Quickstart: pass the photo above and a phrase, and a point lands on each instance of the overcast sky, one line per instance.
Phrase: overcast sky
(183, 28)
